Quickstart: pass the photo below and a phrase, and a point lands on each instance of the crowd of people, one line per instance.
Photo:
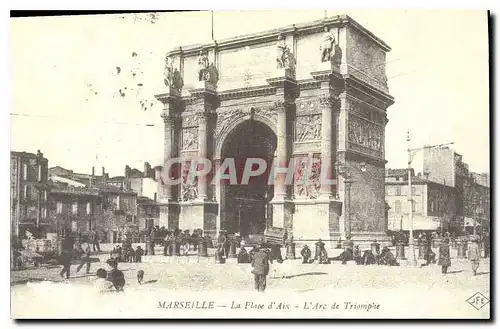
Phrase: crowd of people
(177, 242)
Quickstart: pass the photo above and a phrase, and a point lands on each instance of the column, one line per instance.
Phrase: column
(168, 141)
(327, 162)
(202, 153)
(282, 154)
(169, 210)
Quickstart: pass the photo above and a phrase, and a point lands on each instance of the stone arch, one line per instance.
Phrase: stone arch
(226, 131)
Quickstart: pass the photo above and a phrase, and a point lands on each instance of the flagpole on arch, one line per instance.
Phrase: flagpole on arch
(212, 13)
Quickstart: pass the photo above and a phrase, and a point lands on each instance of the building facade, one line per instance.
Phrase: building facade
(444, 166)
(73, 209)
(29, 193)
(275, 96)
(434, 205)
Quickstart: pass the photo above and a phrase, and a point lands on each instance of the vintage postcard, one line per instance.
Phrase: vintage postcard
(253, 164)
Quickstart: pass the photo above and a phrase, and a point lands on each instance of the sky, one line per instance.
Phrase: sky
(83, 86)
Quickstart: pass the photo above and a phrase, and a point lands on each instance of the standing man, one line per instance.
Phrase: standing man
(260, 264)
(85, 260)
(474, 253)
(65, 258)
(444, 256)
(95, 241)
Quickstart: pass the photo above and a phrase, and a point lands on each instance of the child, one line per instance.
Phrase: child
(102, 285)
(115, 275)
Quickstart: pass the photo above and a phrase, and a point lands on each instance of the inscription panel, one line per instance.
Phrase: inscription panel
(247, 66)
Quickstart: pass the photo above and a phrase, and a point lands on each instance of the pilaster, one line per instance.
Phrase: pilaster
(169, 207)
(286, 93)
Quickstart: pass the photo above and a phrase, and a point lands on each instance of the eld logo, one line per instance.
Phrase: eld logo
(478, 300)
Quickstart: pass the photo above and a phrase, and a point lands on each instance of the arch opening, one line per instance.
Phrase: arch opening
(245, 207)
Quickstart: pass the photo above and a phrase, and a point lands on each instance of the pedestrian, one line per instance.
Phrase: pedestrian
(102, 285)
(260, 265)
(320, 245)
(444, 256)
(84, 259)
(66, 256)
(306, 254)
(356, 255)
(115, 276)
(474, 253)
(138, 254)
(95, 241)
(486, 245)
(243, 256)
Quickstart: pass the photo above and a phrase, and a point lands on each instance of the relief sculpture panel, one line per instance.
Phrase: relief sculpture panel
(308, 128)
(365, 136)
(189, 139)
(189, 188)
(307, 177)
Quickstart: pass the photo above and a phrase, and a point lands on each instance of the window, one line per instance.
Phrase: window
(397, 206)
(88, 208)
(45, 195)
(413, 190)
(59, 207)
(75, 207)
(25, 171)
(432, 206)
(25, 192)
(413, 207)
(39, 173)
(398, 190)
(117, 202)
(44, 212)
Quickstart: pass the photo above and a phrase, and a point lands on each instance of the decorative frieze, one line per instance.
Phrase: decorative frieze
(190, 120)
(364, 112)
(308, 128)
(190, 138)
(365, 137)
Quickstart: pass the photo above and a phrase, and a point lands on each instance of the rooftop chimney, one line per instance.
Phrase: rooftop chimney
(92, 178)
(103, 175)
(147, 169)
(39, 154)
(127, 171)
(158, 173)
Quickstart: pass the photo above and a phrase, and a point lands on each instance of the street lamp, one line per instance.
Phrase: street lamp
(345, 171)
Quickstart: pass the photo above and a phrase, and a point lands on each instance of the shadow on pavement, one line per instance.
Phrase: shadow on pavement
(303, 274)
(453, 272)
(150, 281)
(482, 273)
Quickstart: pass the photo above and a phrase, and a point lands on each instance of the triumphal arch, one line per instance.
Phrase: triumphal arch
(312, 94)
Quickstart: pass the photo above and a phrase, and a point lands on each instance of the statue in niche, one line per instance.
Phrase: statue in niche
(327, 47)
(172, 77)
(206, 70)
(284, 56)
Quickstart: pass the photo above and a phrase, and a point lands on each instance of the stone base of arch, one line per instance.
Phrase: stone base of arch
(199, 214)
